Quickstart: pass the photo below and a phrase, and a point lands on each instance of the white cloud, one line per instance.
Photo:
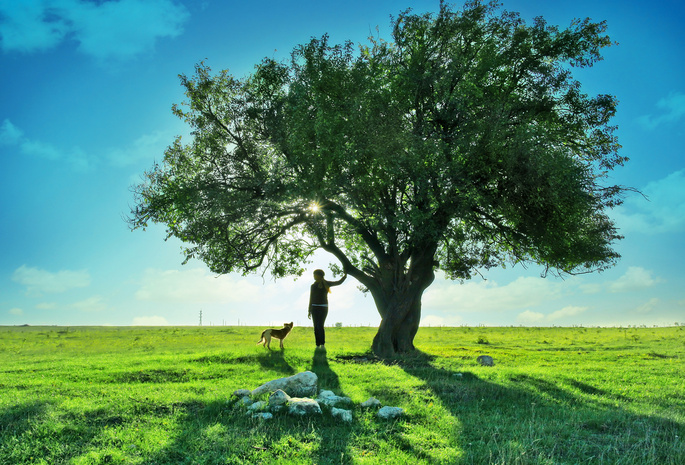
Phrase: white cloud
(38, 281)
(672, 109)
(150, 321)
(488, 296)
(194, 286)
(529, 317)
(25, 27)
(434, 320)
(634, 279)
(109, 30)
(566, 312)
(16, 311)
(662, 212)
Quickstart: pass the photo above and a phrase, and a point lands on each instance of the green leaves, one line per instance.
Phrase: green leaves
(465, 139)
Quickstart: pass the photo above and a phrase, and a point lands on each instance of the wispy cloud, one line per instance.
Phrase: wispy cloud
(435, 320)
(109, 30)
(564, 316)
(671, 110)
(38, 281)
(91, 304)
(662, 212)
(524, 292)
(193, 286)
(144, 149)
(150, 321)
(12, 136)
(634, 279)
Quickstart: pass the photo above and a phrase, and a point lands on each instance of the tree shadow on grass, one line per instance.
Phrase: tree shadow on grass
(33, 431)
(16, 423)
(527, 419)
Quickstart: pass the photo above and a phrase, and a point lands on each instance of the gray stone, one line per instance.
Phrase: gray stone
(485, 360)
(263, 416)
(303, 406)
(329, 399)
(257, 406)
(300, 385)
(344, 415)
(371, 403)
(245, 401)
(242, 393)
(278, 397)
(390, 413)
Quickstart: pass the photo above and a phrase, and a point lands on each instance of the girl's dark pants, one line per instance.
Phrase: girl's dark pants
(319, 315)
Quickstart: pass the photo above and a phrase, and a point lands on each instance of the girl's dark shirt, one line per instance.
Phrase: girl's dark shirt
(320, 295)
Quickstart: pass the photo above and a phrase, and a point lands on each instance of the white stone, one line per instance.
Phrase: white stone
(390, 413)
(329, 399)
(303, 406)
(344, 415)
(300, 385)
(278, 397)
(371, 403)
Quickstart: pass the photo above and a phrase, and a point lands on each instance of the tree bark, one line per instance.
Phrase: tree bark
(400, 317)
(397, 330)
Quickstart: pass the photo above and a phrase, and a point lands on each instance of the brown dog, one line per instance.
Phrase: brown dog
(267, 334)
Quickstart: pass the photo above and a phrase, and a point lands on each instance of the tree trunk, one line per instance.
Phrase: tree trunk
(397, 330)
(397, 291)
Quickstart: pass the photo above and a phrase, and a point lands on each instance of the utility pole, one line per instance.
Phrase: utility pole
(200, 317)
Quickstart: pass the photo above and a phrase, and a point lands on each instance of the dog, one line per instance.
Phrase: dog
(280, 334)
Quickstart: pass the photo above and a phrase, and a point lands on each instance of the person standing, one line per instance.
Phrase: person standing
(318, 304)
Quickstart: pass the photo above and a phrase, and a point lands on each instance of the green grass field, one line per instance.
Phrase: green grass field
(163, 396)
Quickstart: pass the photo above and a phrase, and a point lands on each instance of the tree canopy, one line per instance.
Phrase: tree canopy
(462, 144)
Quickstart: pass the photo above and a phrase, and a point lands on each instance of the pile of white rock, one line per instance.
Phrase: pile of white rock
(298, 395)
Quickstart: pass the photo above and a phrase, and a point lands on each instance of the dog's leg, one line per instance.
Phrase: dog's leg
(268, 341)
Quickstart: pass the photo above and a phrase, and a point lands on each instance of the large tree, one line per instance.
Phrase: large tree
(463, 143)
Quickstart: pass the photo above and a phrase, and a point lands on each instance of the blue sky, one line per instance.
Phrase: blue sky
(86, 90)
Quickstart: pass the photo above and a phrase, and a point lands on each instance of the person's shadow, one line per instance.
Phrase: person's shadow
(333, 433)
(328, 379)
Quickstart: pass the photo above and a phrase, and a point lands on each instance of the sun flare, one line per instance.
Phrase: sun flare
(314, 207)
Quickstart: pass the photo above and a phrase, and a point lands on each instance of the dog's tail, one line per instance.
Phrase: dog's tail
(262, 337)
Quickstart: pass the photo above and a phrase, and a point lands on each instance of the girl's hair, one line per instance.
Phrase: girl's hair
(323, 282)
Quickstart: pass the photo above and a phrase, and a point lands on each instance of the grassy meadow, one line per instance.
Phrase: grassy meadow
(131, 395)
